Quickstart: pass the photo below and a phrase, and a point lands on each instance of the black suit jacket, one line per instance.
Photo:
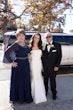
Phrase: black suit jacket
(52, 58)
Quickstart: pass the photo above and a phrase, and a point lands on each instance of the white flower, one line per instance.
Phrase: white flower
(52, 46)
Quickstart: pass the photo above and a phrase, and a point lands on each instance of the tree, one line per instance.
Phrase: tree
(6, 13)
(45, 12)
(8, 17)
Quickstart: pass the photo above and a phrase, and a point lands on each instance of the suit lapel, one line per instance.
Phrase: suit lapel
(46, 49)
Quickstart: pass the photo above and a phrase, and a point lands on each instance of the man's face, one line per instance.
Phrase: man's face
(49, 38)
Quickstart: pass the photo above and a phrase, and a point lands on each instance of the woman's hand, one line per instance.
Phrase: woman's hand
(14, 64)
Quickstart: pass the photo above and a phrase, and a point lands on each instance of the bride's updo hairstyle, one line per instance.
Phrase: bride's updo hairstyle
(31, 42)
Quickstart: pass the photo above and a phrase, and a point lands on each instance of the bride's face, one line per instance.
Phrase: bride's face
(36, 38)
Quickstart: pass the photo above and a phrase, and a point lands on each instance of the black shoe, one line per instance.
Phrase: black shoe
(54, 97)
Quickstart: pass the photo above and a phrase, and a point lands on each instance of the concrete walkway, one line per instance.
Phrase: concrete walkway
(64, 100)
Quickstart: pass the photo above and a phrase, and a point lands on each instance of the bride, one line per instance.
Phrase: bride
(37, 84)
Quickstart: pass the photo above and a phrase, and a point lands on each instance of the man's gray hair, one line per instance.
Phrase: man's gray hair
(47, 33)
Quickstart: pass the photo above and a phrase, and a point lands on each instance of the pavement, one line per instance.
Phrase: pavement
(64, 96)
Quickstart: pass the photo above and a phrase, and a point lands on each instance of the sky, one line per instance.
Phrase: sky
(69, 21)
(19, 6)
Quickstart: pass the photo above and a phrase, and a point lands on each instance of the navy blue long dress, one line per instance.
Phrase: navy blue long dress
(20, 87)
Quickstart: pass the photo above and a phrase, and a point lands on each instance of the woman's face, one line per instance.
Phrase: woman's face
(21, 38)
(36, 38)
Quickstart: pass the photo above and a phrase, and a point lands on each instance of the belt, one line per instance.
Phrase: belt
(22, 58)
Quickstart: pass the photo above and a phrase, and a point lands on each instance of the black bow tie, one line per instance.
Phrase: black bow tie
(48, 44)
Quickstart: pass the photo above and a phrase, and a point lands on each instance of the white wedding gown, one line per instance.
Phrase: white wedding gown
(37, 84)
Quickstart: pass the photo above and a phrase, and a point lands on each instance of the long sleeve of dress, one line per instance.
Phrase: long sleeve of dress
(9, 54)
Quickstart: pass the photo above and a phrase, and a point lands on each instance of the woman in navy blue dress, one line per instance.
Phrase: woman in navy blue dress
(17, 55)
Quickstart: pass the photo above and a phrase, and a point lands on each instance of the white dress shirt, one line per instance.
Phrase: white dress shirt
(49, 46)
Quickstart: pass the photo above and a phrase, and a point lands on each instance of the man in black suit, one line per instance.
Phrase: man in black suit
(51, 59)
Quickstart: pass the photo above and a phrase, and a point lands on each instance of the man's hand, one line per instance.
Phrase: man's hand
(56, 68)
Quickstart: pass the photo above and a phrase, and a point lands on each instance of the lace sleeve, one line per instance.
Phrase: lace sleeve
(10, 55)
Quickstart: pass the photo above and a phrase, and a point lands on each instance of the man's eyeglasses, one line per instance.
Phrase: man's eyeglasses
(48, 37)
